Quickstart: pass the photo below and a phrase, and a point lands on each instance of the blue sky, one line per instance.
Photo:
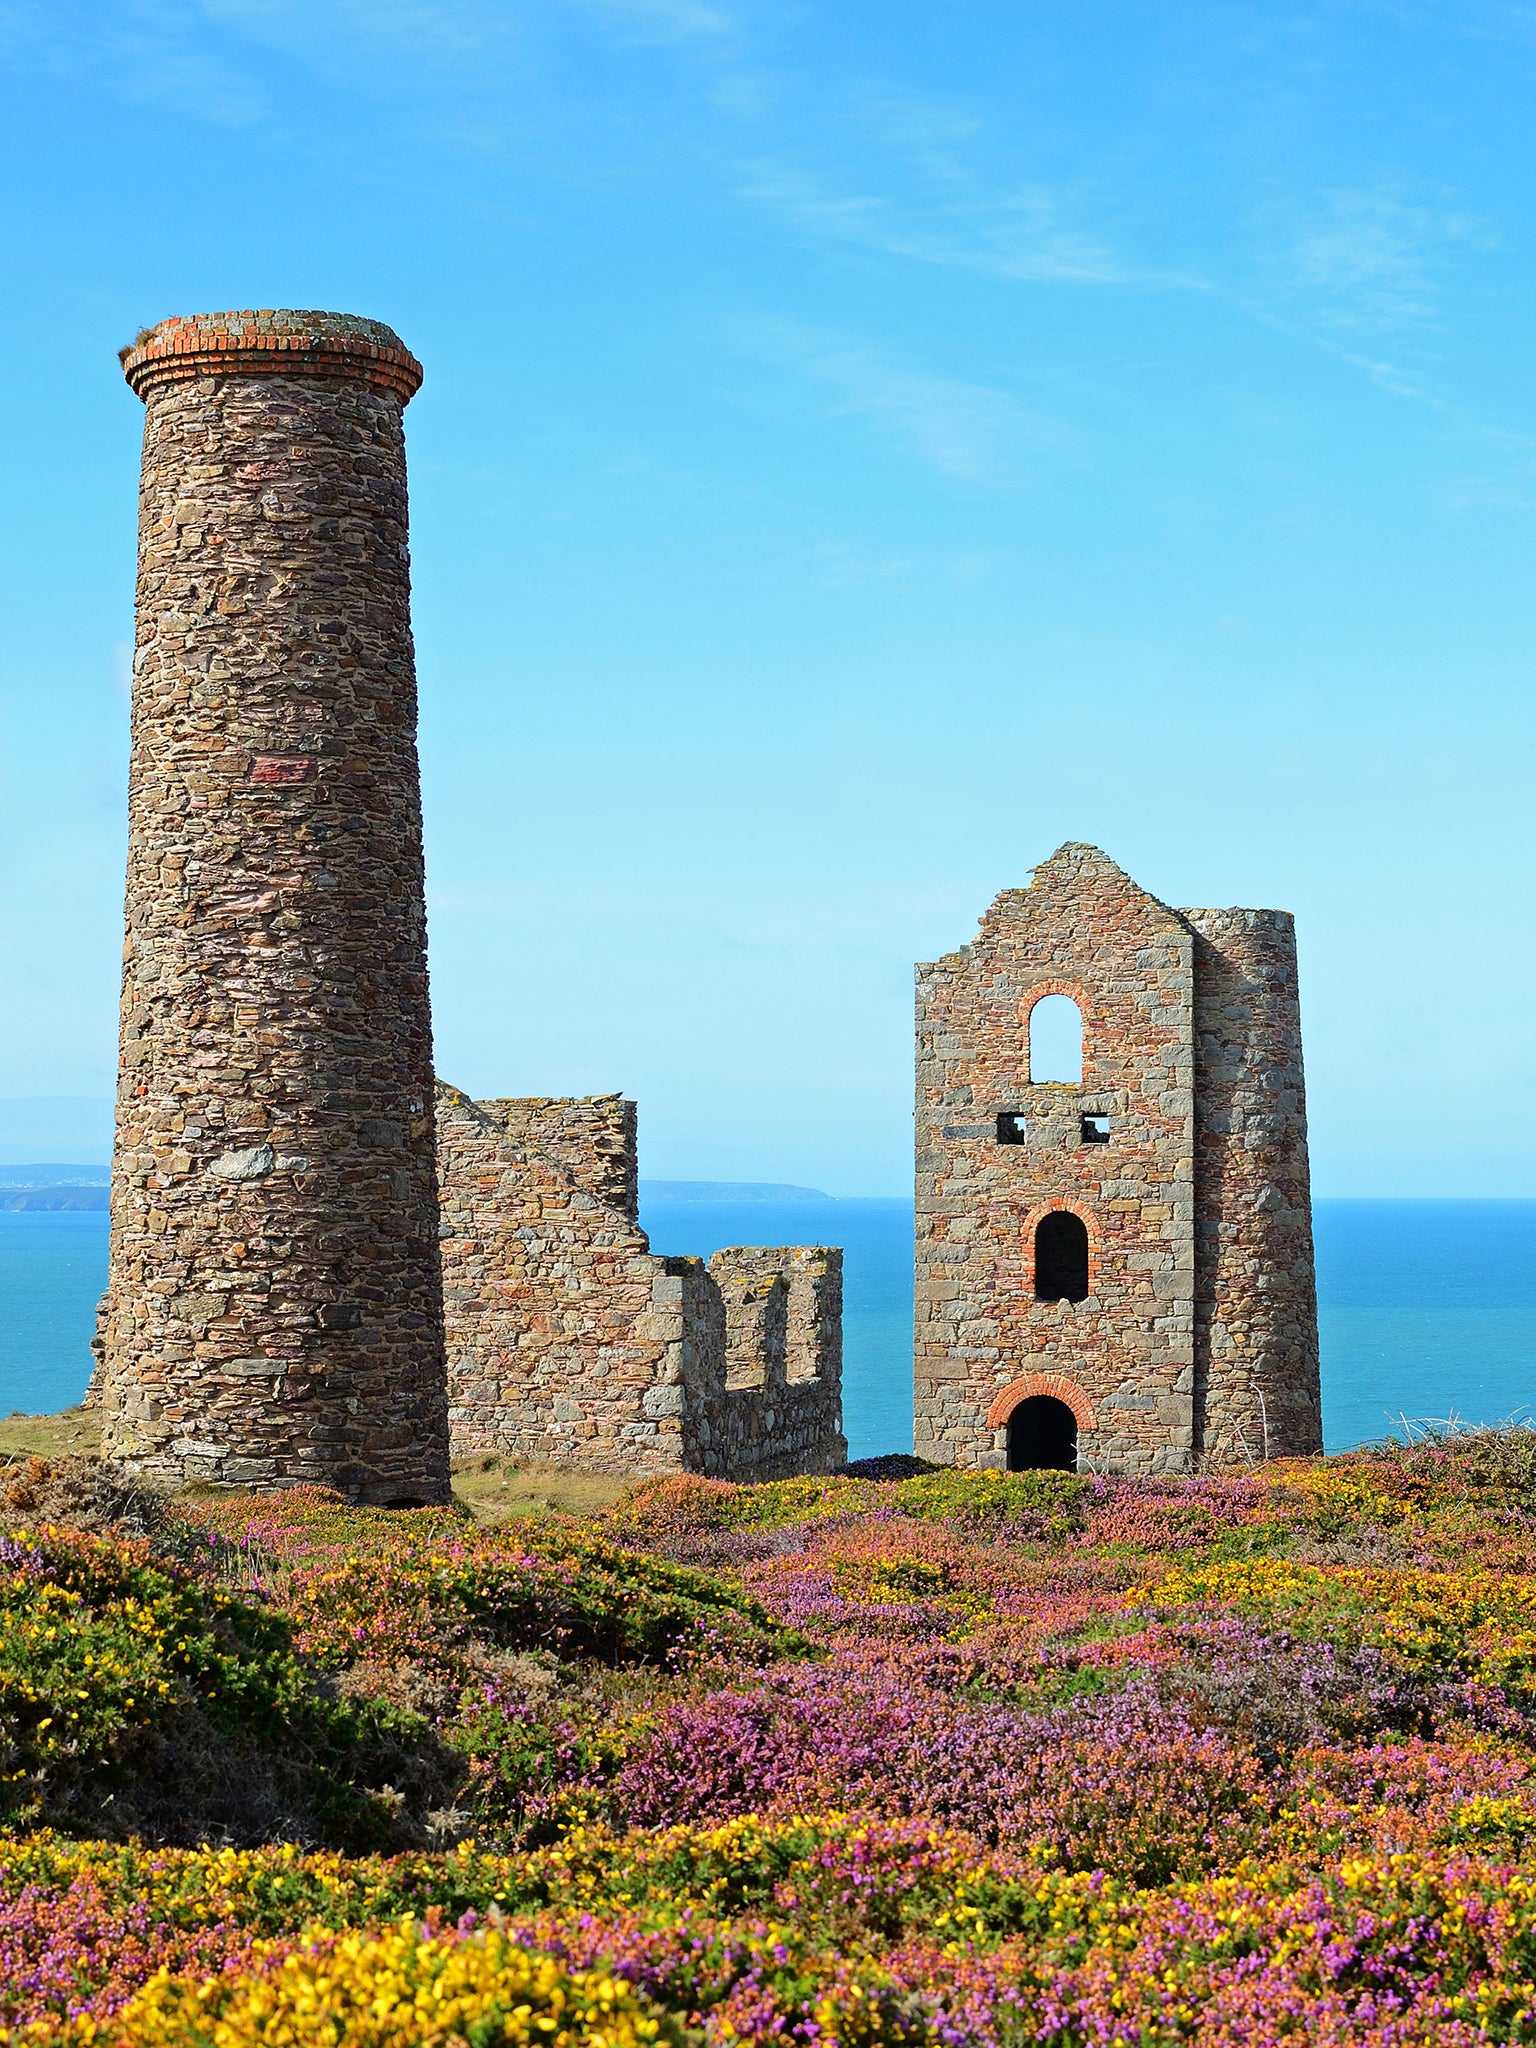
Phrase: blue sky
(862, 447)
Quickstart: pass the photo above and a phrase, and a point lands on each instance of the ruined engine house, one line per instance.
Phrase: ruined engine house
(1113, 1257)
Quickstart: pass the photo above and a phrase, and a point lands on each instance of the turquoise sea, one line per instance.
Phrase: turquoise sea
(1428, 1308)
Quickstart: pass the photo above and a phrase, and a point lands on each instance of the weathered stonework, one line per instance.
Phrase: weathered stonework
(570, 1341)
(1195, 1342)
(1256, 1363)
(273, 1312)
(769, 1402)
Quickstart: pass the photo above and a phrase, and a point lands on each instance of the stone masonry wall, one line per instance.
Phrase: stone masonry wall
(1084, 929)
(273, 1307)
(553, 1352)
(1197, 1207)
(570, 1341)
(773, 1407)
(1256, 1362)
(594, 1138)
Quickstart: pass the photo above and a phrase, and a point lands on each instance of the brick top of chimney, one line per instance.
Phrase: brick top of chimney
(263, 342)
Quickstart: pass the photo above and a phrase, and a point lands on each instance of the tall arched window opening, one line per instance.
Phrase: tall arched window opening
(1056, 1041)
(1061, 1257)
(1042, 1436)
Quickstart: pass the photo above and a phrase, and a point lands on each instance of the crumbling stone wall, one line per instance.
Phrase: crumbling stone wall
(768, 1403)
(548, 1279)
(273, 1310)
(570, 1341)
(1200, 1298)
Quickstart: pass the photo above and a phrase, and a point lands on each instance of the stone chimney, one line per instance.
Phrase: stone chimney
(274, 1308)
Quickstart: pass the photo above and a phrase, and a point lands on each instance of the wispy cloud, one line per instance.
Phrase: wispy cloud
(930, 179)
(921, 178)
(1363, 271)
(209, 58)
(1018, 234)
(1364, 274)
(451, 30)
(1375, 257)
(1471, 492)
(153, 52)
(448, 33)
(971, 433)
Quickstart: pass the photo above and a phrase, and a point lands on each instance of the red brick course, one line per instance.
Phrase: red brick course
(1053, 1383)
(270, 343)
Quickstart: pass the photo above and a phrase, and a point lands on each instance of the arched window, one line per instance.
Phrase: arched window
(1061, 1257)
(1056, 1041)
(1042, 1436)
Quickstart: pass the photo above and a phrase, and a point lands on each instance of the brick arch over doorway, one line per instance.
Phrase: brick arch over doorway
(1056, 1384)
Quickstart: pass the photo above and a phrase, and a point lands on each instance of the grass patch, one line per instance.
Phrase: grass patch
(496, 1490)
(72, 1432)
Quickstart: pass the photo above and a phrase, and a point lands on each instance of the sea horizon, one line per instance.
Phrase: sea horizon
(1427, 1306)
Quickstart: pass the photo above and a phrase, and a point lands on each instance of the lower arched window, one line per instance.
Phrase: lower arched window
(1042, 1436)
(1061, 1257)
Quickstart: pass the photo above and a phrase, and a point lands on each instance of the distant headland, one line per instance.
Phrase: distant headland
(53, 1186)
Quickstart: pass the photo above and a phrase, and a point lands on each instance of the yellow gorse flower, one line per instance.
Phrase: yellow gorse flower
(400, 1988)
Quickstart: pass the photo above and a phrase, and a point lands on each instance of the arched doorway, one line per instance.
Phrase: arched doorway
(1061, 1257)
(1042, 1436)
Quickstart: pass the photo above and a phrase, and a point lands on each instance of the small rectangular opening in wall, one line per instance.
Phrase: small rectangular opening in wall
(1095, 1129)
(1012, 1127)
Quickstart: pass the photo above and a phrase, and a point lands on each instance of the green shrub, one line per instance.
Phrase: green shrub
(131, 1693)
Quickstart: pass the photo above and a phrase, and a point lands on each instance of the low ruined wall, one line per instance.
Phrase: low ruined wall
(765, 1398)
(553, 1352)
(570, 1341)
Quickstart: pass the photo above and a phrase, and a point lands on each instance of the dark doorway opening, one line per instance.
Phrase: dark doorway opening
(1061, 1257)
(1042, 1436)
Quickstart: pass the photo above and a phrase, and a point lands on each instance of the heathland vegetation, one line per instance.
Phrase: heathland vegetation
(903, 1756)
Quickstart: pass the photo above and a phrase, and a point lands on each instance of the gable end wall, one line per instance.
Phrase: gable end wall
(1084, 927)
(1197, 1344)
